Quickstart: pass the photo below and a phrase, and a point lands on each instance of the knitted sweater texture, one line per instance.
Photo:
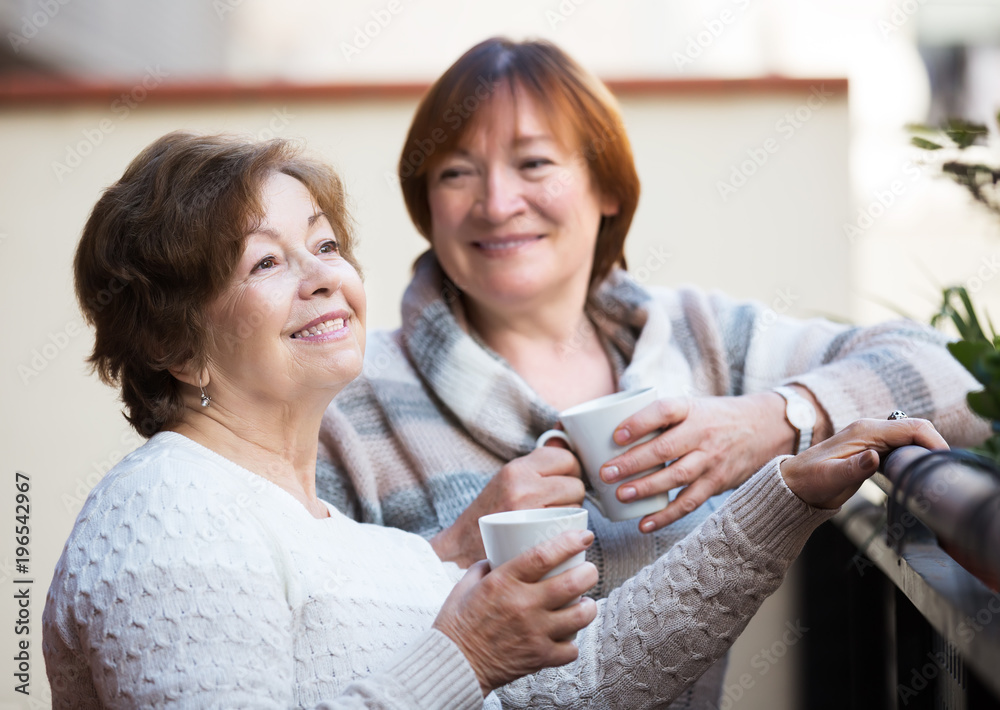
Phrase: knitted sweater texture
(437, 413)
(191, 581)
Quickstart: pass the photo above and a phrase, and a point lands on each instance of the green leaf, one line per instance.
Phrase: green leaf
(989, 448)
(984, 405)
(969, 353)
(964, 133)
(925, 144)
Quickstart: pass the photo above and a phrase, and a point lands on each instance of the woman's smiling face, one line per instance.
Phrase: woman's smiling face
(514, 211)
(292, 321)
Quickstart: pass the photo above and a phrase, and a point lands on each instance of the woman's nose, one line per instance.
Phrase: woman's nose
(503, 196)
(318, 277)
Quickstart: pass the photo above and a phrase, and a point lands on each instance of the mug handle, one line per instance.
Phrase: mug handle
(560, 434)
(550, 435)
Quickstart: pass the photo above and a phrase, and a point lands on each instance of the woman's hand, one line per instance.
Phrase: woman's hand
(509, 622)
(718, 443)
(547, 477)
(827, 474)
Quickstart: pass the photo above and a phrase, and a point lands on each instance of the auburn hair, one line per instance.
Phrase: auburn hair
(572, 97)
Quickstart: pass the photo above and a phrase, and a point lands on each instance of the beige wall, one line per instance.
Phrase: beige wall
(64, 429)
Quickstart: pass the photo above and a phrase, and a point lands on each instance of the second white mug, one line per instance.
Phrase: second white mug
(588, 432)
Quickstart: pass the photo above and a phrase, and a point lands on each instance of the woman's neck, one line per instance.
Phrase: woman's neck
(279, 445)
(554, 347)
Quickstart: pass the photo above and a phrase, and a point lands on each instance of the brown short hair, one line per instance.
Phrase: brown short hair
(572, 96)
(163, 242)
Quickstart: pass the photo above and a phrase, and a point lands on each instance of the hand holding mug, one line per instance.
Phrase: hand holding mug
(545, 478)
(588, 432)
(514, 620)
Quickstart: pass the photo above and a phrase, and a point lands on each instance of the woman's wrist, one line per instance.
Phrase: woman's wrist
(783, 435)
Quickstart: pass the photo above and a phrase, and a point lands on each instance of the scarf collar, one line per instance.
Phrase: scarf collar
(478, 386)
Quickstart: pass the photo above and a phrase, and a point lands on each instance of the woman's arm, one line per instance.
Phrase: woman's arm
(743, 351)
(662, 629)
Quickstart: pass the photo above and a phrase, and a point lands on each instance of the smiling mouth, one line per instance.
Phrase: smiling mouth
(496, 245)
(319, 329)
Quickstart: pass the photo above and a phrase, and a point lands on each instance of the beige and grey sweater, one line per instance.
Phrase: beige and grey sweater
(436, 413)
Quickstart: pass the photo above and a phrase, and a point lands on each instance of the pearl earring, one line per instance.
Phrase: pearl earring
(205, 399)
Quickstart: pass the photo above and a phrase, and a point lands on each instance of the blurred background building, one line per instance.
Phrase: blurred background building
(842, 219)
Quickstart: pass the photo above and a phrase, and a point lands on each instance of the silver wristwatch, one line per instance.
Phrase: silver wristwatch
(800, 413)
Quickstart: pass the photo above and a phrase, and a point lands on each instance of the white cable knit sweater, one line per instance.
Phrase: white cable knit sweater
(192, 581)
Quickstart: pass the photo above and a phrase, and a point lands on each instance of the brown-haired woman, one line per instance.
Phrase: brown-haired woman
(518, 171)
(204, 571)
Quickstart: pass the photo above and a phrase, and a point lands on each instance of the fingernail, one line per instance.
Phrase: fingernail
(586, 537)
(647, 526)
(626, 493)
(622, 436)
(609, 473)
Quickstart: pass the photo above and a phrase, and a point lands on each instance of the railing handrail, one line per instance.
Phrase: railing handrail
(956, 499)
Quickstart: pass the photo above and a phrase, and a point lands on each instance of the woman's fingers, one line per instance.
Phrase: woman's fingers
(826, 475)
(887, 435)
(681, 472)
(686, 502)
(551, 461)
(568, 620)
(566, 587)
(534, 564)
(671, 444)
(660, 414)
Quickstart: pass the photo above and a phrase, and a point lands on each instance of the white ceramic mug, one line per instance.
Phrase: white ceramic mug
(588, 432)
(507, 535)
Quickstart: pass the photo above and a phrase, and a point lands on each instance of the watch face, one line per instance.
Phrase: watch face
(801, 414)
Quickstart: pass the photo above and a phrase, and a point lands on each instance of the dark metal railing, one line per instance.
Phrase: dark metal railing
(897, 621)
(956, 495)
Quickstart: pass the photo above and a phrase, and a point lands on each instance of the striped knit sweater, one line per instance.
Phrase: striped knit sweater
(436, 413)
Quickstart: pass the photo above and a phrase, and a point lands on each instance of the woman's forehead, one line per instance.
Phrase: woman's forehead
(515, 117)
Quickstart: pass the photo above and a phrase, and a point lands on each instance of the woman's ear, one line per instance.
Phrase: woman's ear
(610, 205)
(190, 373)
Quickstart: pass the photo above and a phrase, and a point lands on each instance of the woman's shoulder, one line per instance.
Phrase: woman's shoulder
(166, 479)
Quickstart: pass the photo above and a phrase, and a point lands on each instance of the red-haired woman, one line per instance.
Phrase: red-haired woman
(518, 171)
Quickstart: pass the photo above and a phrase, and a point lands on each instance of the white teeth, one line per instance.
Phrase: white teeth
(326, 326)
(505, 245)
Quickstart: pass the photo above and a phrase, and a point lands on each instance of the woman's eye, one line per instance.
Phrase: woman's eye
(451, 173)
(266, 263)
(533, 163)
(330, 247)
